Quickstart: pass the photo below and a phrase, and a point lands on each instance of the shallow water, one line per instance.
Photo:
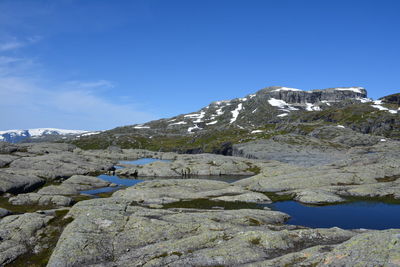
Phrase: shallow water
(141, 161)
(125, 182)
(121, 182)
(352, 215)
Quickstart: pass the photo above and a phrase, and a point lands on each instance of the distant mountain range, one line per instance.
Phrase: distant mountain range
(16, 136)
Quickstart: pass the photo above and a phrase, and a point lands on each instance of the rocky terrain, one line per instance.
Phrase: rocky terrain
(181, 215)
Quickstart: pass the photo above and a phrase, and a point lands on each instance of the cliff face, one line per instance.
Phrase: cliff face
(296, 96)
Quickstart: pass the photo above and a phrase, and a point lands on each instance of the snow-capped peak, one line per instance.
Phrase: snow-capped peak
(42, 131)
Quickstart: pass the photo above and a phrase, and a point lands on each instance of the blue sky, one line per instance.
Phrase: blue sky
(101, 64)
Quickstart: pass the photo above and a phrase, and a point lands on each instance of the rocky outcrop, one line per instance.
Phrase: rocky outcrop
(372, 171)
(18, 182)
(293, 149)
(378, 248)
(60, 195)
(391, 99)
(60, 165)
(19, 233)
(189, 166)
(174, 190)
(5, 160)
(185, 237)
(7, 148)
(295, 96)
(117, 232)
(41, 200)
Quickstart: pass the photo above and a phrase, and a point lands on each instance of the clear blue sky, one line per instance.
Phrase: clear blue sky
(101, 64)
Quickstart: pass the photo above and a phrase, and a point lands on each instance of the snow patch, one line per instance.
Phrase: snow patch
(91, 133)
(326, 102)
(190, 129)
(254, 111)
(364, 100)
(211, 123)
(257, 131)
(197, 116)
(340, 126)
(235, 113)
(311, 107)
(353, 89)
(277, 103)
(141, 126)
(283, 115)
(377, 104)
(383, 140)
(287, 89)
(178, 123)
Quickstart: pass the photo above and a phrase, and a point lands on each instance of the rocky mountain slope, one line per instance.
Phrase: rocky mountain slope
(267, 113)
(16, 136)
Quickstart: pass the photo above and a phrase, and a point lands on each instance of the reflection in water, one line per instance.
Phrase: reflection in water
(142, 161)
(352, 215)
(112, 179)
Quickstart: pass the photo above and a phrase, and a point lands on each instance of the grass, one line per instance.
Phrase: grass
(49, 239)
(17, 209)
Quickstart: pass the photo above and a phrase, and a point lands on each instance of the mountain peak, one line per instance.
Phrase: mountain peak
(14, 136)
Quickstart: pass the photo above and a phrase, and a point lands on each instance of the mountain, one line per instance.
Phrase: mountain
(16, 136)
(266, 105)
(266, 113)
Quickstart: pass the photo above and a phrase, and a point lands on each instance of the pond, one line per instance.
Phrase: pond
(351, 215)
(125, 182)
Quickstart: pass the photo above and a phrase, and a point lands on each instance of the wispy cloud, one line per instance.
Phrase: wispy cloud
(13, 43)
(30, 101)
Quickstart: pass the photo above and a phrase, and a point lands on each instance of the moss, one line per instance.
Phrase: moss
(254, 222)
(253, 168)
(275, 197)
(387, 179)
(210, 204)
(177, 253)
(22, 208)
(255, 241)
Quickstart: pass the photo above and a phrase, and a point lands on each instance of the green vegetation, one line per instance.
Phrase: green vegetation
(48, 241)
(275, 197)
(210, 204)
(22, 208)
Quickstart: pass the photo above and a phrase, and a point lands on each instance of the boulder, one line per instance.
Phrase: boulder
(317, 197)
